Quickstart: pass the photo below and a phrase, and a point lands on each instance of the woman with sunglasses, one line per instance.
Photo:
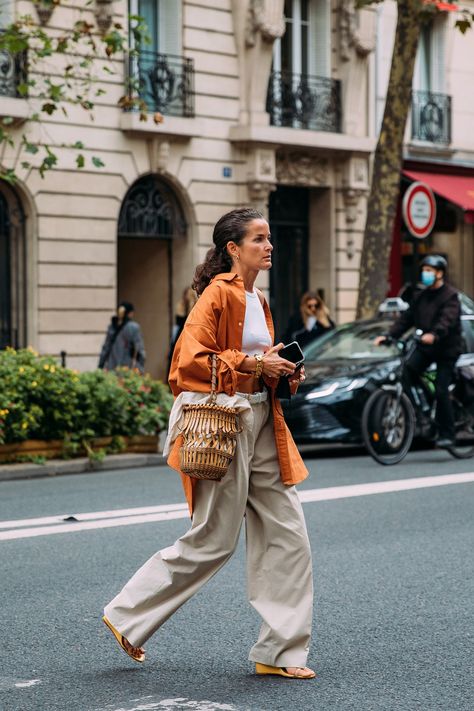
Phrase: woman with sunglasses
(312, 321)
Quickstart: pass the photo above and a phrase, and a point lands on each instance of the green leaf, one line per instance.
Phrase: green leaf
(9, 176)
(56, 92)
(80, 161)
(7, 121)
(463, 26)
(79, 145)
(25, 164)
(31, 148)
(98, 162)
(22, 89)
(49, 108)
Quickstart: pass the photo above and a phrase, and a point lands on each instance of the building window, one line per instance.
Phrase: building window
(164, 22)
(151, 210)
(300, 92)
(431, 106)
(160, 76)
(305, 46)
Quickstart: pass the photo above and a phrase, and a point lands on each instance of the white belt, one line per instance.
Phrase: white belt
(255, 398)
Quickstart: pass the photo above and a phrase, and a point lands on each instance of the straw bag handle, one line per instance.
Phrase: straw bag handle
(213, 397)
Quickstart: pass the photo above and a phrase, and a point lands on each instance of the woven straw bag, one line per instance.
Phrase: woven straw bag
(209, 436)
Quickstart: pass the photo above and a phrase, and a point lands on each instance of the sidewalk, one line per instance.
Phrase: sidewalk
(58, 467)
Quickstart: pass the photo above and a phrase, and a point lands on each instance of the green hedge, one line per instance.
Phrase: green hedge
(41, 400)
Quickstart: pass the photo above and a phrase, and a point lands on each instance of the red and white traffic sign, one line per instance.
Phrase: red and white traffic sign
(419, 210)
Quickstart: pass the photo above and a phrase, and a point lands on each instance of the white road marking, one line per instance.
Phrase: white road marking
(30, 528)
(27, 684)
(383, 487)
(94, 516)
(146, 703)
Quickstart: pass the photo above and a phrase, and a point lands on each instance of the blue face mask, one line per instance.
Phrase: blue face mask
(428, 278)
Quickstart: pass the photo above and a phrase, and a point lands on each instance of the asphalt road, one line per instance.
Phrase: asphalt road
(393, 610)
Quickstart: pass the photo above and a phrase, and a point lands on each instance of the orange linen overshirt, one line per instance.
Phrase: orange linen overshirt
(215, 325)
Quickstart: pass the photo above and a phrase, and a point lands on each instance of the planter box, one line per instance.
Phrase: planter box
(53, 449)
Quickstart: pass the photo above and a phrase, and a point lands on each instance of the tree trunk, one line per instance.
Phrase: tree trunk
(382, 204)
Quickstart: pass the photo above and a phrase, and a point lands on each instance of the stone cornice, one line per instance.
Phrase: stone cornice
(299, 138)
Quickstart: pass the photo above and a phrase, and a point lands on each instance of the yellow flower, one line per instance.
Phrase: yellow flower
(46, 367)
(21, 369)
(32, 350)
(34, 384)
(53, 369)
(24, 425)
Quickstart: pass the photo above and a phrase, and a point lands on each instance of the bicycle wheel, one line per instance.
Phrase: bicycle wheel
(464, 424)
(388, 426)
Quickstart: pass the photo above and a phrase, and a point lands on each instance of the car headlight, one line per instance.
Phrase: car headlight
(344, 385)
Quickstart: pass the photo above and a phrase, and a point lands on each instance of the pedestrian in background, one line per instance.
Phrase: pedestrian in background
(312, 321)
(232, 320)
(183, 309)
(123, 346)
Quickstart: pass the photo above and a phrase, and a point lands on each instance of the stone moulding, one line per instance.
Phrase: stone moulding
(350, 36)
(298, 168)
(103, 15)
(266, 17)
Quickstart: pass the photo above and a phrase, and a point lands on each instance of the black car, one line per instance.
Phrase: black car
(342, 370)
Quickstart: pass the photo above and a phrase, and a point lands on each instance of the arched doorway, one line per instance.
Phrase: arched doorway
(12, 270)
(151, 219)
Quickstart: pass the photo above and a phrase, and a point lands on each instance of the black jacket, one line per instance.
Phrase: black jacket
(436, 311)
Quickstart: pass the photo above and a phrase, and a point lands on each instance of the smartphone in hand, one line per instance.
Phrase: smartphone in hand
(293, 353)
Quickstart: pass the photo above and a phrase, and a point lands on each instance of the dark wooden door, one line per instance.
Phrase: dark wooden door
(289, 225)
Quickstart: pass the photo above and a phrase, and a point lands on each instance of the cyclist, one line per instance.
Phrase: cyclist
(436, 311)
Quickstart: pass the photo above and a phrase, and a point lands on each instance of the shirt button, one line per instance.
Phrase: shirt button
(240, 323)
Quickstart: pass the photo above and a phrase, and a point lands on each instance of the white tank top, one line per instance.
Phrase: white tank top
(256, 337)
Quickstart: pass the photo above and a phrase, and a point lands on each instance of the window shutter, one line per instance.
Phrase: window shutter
(7, 12)
(320, 39)
(438, 55)
(170, 27)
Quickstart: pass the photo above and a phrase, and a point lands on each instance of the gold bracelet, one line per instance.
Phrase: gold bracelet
(259, 367)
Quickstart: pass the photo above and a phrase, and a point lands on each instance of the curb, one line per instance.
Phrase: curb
(59, 467)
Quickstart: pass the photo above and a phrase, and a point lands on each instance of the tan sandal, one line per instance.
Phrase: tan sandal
(133, 652)
(282, 671)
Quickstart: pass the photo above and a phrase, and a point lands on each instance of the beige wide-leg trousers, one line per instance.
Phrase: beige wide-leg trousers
(279, 571)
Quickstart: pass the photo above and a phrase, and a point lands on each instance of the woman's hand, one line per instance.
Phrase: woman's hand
(274, 366)
(296, 379)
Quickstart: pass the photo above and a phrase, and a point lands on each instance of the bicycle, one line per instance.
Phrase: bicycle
(391, 418)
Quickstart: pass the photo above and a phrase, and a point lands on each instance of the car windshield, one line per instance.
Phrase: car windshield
(355, 341)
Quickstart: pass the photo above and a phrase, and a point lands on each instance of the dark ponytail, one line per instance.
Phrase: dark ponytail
(231, 227)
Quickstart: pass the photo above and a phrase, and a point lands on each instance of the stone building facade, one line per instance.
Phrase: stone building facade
(269, 103)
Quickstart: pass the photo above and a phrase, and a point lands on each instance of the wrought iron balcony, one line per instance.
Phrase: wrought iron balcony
(12, 72)
(303, 101)
(165, 82)
(431, 117)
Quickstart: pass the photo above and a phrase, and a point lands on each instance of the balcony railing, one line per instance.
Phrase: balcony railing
(431, 117)
(165, 82)
(13, 71)
(303, 101)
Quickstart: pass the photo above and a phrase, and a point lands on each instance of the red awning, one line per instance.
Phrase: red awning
(458, 189)
(443, 6)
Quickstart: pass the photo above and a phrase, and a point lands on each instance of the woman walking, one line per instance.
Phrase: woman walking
(123, 345)
(232, 320)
